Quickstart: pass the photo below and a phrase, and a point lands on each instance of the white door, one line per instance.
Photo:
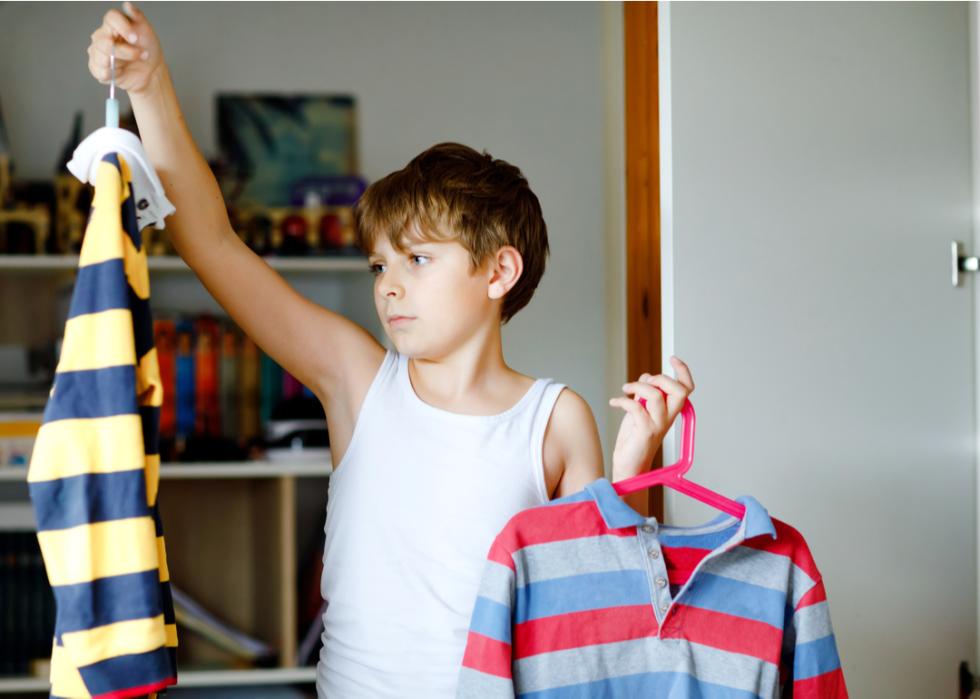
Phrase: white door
(817, 165)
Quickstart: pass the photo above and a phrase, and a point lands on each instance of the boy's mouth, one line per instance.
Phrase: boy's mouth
(398, 320)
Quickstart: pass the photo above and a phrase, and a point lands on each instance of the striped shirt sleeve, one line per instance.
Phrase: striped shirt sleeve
(486, 671)
(816, 666)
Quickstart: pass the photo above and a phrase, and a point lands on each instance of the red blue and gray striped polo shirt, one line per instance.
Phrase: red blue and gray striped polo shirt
(584, 597)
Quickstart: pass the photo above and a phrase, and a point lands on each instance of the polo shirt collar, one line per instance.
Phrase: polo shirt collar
(617, 514)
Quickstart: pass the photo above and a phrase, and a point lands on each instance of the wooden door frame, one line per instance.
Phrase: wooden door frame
(642, 129)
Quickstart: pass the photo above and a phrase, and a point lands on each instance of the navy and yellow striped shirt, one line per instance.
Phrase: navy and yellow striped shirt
(95, 469)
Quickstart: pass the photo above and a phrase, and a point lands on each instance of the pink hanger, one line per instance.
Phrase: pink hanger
(673, 476)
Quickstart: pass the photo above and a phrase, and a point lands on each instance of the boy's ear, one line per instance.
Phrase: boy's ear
(506, 268)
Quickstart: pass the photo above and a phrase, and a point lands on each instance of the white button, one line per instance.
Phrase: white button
(647, 528)
(654, 553)
(661, 582)
(663, 607)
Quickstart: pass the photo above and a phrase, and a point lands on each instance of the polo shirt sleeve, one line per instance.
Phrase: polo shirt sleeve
(486, 671)
(811, 650)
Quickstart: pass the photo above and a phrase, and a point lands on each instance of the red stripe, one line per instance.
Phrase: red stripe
(788, 542)
(681, 562)
(725, 632)
(136, 691)
(499, 553)
(578, 629)
(816, 595)
(487, 655)
(829, 685)
(542, 525)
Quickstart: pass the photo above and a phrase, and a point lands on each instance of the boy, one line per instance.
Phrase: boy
(434, 445)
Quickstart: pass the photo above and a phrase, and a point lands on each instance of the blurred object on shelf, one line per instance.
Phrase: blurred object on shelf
(72, 201)
(297, 430)
(314, 230)
(268, 141)
(17, 433)
(191, 615)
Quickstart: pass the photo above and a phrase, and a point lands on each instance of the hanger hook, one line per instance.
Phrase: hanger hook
(112, 72)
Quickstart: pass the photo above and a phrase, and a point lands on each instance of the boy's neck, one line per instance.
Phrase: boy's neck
(471, 380)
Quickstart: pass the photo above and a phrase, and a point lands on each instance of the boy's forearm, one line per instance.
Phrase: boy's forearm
(201, 219)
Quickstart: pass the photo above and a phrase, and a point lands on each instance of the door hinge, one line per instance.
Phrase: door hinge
(961, 262)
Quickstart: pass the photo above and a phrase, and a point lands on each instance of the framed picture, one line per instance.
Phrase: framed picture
(268, 142)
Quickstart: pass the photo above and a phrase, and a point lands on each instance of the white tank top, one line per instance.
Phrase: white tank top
(411, 513)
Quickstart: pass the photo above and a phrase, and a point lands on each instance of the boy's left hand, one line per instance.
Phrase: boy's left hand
(643, 429)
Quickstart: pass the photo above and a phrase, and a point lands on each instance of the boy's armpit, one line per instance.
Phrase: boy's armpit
(572, 449)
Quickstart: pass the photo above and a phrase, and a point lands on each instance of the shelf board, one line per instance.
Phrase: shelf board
(172, 263)
(219, 469)
(190, 678)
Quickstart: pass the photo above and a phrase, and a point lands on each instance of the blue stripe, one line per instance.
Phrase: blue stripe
(142, 324)
(150, 417)
(737, 598)
(99, 287)
(710, 541)
(579, 593)
(107, 600)
(166, 601)
(137, 670)
(491, 619)
(815, 658)
(93, 393)
(128, 209)
(672, 685)
(88, 498)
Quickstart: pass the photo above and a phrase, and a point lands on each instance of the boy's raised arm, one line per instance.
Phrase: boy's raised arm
(306, 339)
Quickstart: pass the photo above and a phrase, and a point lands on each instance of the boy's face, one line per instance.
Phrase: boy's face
(428, 299)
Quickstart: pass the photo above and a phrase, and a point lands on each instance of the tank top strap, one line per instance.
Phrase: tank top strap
(544, 405)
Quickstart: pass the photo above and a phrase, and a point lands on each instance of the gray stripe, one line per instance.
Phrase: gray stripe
(497, 584)
(812, 622)
(593, 554)
(762, 568)
(579, 665)
(479, 685)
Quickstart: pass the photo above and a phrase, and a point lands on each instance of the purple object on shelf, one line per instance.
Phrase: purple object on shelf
(331, 190)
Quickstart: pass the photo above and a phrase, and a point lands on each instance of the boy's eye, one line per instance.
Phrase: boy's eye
(420, 257)
(376, 269)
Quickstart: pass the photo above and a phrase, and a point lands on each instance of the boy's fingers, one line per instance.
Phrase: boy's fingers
(683, 373)
(124, 52)
(655, 405)
(120, 25)
(633, 408)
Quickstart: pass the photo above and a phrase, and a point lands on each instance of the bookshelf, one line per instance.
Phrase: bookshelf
(239, 535)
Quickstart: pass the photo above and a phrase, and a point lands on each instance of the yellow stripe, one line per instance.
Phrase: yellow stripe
(98, 340)
(112, 640)
(91, 551)
(152, 478)
(149, 387)
(66, 681)
(171, 631)
(162, 559)
(104, 233)
(87, 445)
(137, 271)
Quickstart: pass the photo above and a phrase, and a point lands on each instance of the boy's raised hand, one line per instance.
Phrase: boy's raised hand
(644, 428)
(138, 53)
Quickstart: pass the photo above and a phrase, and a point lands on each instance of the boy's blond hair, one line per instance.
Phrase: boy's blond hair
(452, 192)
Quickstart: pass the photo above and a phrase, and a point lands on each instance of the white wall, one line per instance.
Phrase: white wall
(821, 165)
(522, 80)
